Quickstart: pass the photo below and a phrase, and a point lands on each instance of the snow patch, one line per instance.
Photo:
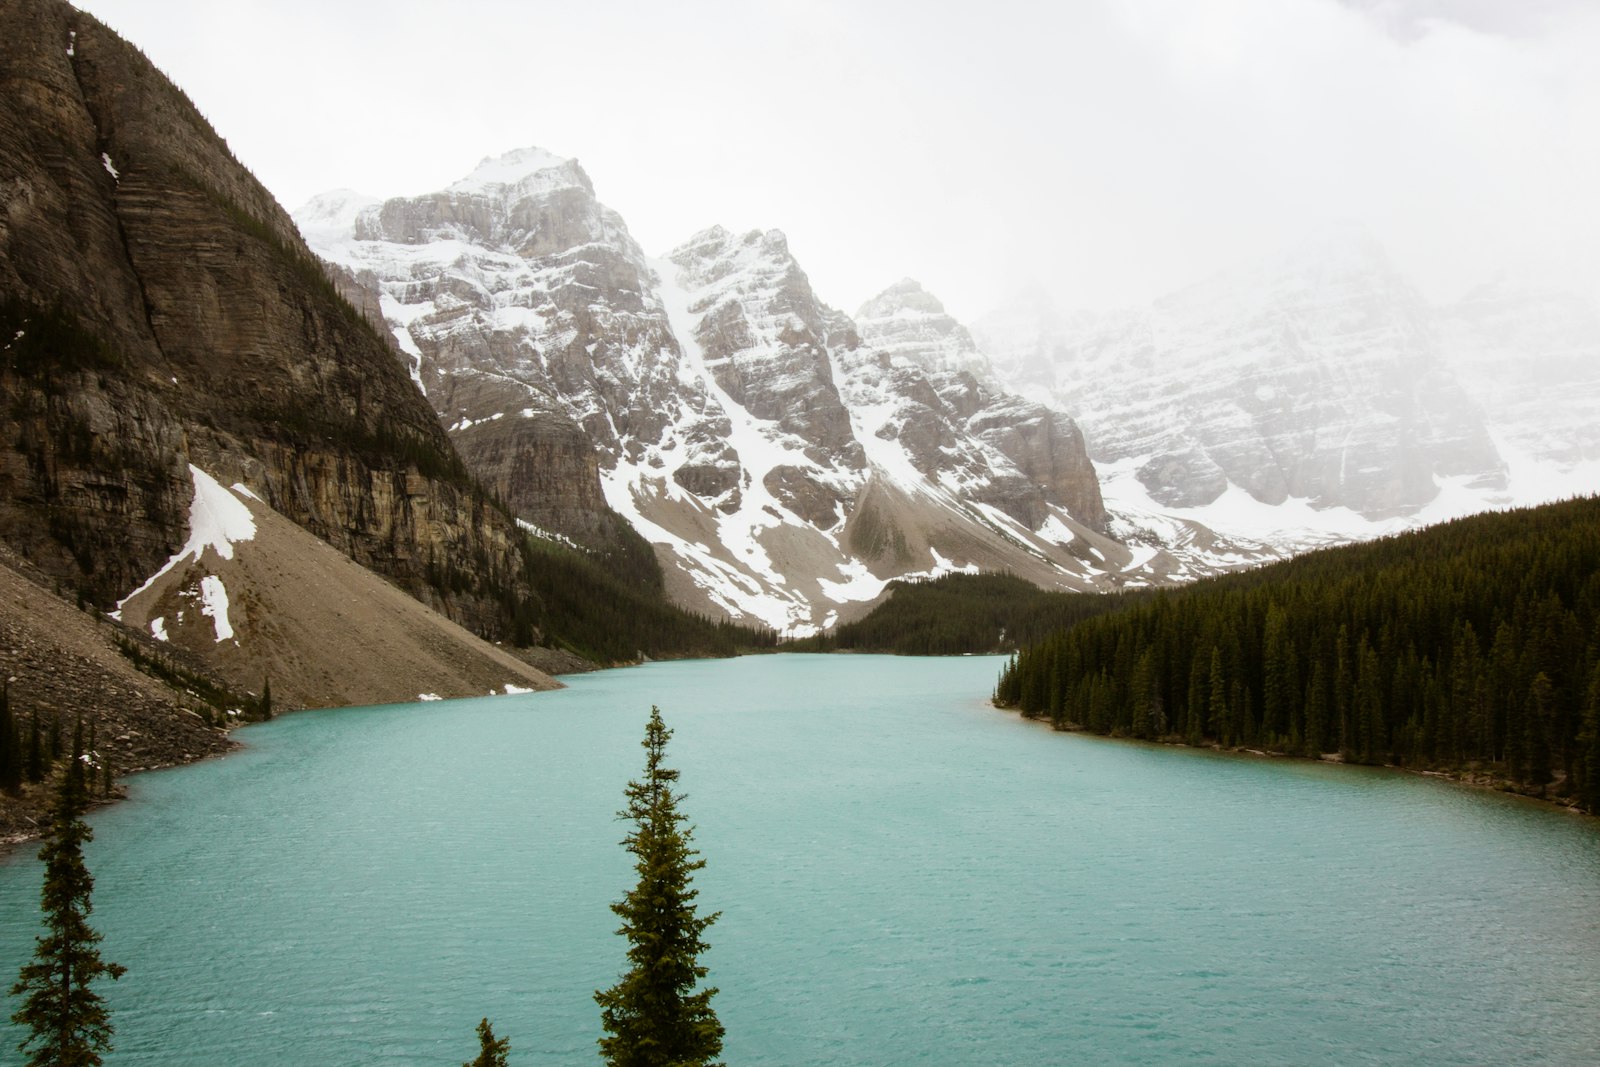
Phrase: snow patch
(105, 161)
(510, 169)
(515, 690)
(214, 603)
(217, 520)
(429, 696)
(548, 535)
(158, 628)
(1055, 531)
(859, 584)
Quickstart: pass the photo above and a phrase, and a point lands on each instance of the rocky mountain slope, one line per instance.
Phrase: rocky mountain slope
(1316, 399)
(60, 662)
(784, 462)
(158, 312)
(258, 597)
(1318, 377)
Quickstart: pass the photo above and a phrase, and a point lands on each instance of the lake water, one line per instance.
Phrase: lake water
(906, 876)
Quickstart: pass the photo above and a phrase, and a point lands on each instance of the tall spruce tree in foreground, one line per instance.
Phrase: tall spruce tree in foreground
(492, 1051)
(67, 1021)
(652, 1016)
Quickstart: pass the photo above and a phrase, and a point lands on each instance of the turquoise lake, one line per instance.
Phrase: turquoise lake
(905, 874)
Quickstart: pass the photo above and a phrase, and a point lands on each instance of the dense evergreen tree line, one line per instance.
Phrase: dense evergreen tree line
(960, 613)
(1471, 645)
(607, 609)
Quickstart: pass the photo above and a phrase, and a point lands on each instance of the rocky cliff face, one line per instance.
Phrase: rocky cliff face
(490, 287)
(1043, 444)
(1317, 377)
(783, 465)
(159, 310)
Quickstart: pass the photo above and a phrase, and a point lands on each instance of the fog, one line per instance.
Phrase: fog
(1107, 150)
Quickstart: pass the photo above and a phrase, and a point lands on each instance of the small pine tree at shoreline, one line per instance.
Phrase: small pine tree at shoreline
(67, 1021)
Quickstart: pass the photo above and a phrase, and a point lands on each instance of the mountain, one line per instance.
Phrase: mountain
(1316, 378)
(160, 320)
(922, 341)
(784, 461)
(1529, 356)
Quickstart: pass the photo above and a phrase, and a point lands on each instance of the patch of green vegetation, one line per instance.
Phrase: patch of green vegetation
(1467, 646)
(963, 613)
(608, 610)
(200, 686)
(42, 344)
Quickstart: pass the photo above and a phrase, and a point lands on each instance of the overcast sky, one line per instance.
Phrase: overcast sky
(1104, 149)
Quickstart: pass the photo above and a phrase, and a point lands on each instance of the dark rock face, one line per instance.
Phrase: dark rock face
(177, 318)
(1048, 448)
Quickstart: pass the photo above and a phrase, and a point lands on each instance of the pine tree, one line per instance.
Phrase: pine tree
(492, 1051)
(1218, 712)
(265, 707)
(34, 763)
(1536, 718)
(67, 1021)
(10, 745)
(1316, 711)
(1589, 795)
(1195, 729)
(1280, 690)
(651, 1016)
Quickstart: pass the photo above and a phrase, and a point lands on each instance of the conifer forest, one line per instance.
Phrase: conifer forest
(1471, 647)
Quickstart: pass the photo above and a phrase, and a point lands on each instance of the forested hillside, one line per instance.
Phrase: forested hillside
(960, 613)
(1471, 647)
(611, 609)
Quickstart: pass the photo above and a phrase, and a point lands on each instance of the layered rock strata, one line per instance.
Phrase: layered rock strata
(161, 310)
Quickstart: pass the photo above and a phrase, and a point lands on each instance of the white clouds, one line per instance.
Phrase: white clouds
(1107, 148)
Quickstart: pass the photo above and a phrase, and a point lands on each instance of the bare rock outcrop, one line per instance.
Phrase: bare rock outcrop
(160, 309)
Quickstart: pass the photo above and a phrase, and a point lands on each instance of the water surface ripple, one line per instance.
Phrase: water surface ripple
(906, 876)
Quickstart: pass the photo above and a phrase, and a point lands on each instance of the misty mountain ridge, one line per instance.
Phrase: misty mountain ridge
(785, 460)
(1312, 398)
(1316, 396)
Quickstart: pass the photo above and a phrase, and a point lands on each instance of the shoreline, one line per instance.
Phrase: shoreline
(34, 801)
(1478, 781)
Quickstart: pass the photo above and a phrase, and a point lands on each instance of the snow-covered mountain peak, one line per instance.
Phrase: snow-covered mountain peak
(1337, 270)
(332, 215)
(783, 468)
(497, 173)
(907, 293)
(1314, 374)
(907, 321)
(755, 258)
(720, 242)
